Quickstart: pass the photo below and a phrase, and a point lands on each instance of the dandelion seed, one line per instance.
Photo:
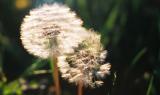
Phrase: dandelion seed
(87, 63)
(51, 29)
(99, 83)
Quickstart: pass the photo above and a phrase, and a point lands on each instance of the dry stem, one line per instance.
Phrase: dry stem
(56, 77)
(80, 88)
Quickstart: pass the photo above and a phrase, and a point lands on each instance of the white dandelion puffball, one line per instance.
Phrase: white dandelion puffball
(86, 64)
(51, 29)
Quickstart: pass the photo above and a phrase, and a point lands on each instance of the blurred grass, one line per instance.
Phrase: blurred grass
(150, 86)
(137, 57)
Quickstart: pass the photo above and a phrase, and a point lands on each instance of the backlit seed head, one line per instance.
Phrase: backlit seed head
(55, 30)
(86, 64)
(51, 29)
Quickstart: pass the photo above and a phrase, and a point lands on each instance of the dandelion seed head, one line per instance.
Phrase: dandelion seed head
(55, 29)
(86, 64)
(51, 29)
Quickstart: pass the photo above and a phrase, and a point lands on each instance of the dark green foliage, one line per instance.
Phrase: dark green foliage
(130, 32)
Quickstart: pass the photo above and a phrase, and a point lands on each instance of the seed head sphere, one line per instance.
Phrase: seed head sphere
(51, 29)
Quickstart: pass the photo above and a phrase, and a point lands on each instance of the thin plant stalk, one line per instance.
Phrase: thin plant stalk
(56, 77)
(150, 86)
(80, 88)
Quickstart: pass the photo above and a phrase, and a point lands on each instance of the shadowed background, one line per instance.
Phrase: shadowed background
(130, 32)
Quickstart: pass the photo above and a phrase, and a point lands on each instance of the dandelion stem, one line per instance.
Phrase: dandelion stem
(56, 77)
(80, 88)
